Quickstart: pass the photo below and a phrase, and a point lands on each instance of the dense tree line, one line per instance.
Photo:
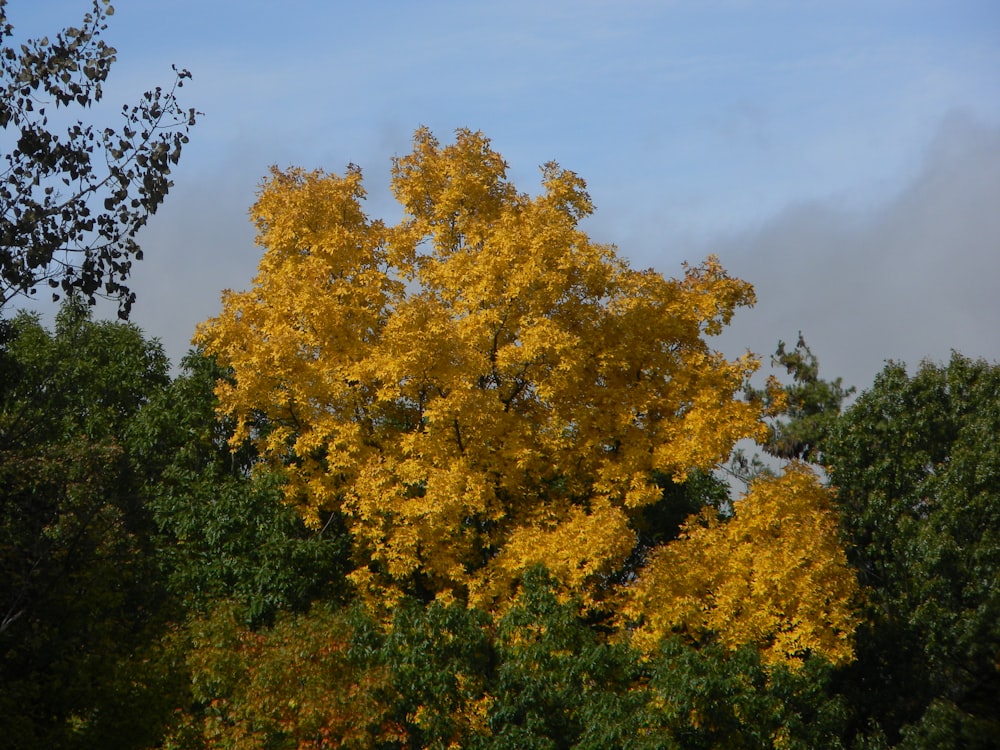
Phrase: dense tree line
(158, 591)
(455, 483)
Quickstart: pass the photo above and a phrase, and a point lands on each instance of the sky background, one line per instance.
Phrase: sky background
(842, 156)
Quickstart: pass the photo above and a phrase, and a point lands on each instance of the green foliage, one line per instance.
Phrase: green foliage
(80, 594)
(226, 531)
(558, 682)
(442, 675)
(944, 726)
(71, 203)
(84, 378)
(917, 465)
(811, 405)
(236, 538)
(713, 698)
(123, 510)
(440, 658)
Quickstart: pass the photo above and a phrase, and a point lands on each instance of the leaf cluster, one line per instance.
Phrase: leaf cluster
(72, 202)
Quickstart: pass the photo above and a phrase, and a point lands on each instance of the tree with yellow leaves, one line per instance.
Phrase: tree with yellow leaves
(479, 388)
(773, 575)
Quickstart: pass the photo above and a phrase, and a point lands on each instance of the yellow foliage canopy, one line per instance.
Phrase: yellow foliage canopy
(773, 575)
(480, 387)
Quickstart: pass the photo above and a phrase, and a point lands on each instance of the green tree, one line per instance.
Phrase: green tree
(917, 466)
(226, 532)
(439, 659)
(805, 409)
(558, 682)
(81, 599)
(125, 511)
(72, 203)
(710, 697)
(812, 405)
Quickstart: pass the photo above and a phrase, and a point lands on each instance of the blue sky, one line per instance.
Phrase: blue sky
(843, 156)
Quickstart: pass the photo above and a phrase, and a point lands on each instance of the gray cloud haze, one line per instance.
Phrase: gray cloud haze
(912, 278)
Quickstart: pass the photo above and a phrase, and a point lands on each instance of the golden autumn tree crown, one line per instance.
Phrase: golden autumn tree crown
(479, 388)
